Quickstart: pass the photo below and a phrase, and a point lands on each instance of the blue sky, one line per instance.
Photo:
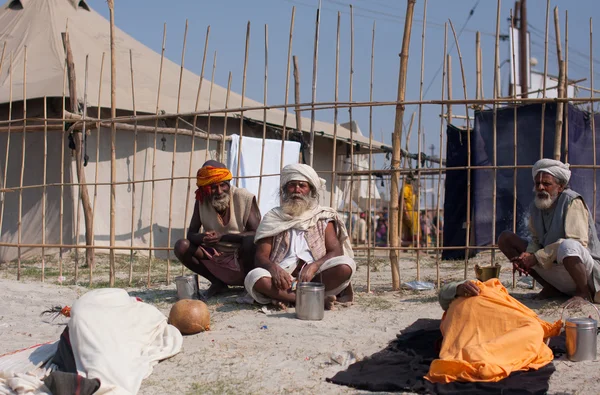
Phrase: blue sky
(228, 18)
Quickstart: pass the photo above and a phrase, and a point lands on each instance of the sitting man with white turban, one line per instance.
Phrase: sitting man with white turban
(563, 253)
(303, 240)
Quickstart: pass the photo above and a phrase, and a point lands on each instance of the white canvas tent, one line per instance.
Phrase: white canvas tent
(37, 25)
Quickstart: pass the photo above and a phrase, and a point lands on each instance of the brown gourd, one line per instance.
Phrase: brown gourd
(190, 316)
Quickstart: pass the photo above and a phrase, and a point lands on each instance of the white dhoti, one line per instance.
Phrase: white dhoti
(557, 275)
(256, 274)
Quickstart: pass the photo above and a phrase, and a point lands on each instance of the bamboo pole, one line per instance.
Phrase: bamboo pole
(113, 138)
(420, 145)
(335, 115)
(83, 158)
(225, 120)
(478, 65)
(544, 82)
(151, 233)
(593, 121)
(99, 114)
(7, 145)
(297, 93)
(193, 142)
(566, 131)
(396, 142)
(173, 158)
(10, 105)
(311, 147)
(44, 176)
(135, 134)
(239, 153)
(351, 195)
(495, 128)
(62, 175)
(464, 81)
(515, 124)
(264, 135)
(24, 134)
(212, 84)
(449, 81)
(437, 225)
(287, 87)
(561, 89)
(369, 215)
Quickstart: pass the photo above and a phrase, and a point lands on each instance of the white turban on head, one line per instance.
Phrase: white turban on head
(300, 172)
(553, 167)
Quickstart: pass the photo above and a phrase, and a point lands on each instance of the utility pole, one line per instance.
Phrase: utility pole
(523, 61)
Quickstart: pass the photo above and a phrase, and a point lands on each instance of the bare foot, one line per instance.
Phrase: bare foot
(279, 305)
(548, 292)
(346, 297)
(214, 289)
(329, 302)
(576, 301)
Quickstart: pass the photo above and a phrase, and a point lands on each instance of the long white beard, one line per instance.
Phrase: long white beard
(296, 204)
(220, 202)
(545, 202)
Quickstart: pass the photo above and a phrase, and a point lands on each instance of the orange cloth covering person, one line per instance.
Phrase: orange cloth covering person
(488, 334)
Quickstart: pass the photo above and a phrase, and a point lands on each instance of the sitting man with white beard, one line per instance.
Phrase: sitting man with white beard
(224, 253)
(563, 253)
(301, 240)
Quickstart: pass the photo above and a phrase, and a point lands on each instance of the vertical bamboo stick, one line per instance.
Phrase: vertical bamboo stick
(168, 279)
(421, 142)
(314, 87)
(439, 183)
(560, 90)
(225, 120)
(113, 138)
(370, 201)
(593, 121)
(514, 95)
(10, 104)
(566, 151)
(287, 87)
(449, 81)
(20, 224)
(351, 194)
(44, 188)
(335, 117)
(62, 173)
(297, 94)
(264, 135)
(396, 144)
(99, 115)
(83, 151)
(212, 84)
(478, 65)
(464, 81)
(239, 153)
(135, 135)
(150, 241)
(524, 89)
(495, 136)
(193, 142)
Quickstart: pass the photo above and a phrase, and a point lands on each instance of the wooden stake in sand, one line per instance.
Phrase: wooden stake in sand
(396, 144)
(239, 153)
(44, 187)
(23, 145)
(311, 148)
(98, 131)
(264, 134)
(135, 135)
(566, 129)
(561, 89)
(544, 81)
(113, 138)
(351, 197)
(369, 204)
(222, 150)
(335, 112)
(10, 102)
(592, 117)
(209, 130)
(287, 87)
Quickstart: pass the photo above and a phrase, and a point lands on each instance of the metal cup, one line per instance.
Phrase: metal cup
(310, 301)
(187, 287)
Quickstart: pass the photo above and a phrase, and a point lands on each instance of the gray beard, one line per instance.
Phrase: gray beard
(546, 202)
(220, 202)
(297, 207)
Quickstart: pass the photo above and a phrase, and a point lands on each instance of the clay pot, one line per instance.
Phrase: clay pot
(190, 316)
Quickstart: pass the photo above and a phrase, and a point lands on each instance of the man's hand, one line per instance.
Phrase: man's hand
(308, 272)
(468, 288)
(523, 263)
(281, 279)
(211, 238)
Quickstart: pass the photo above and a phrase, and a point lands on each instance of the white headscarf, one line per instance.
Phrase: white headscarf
(553, 167)
(300, 172)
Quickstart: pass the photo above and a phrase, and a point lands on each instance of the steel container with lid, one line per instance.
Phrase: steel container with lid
(310, 301)
(187, 287)
(581, 337)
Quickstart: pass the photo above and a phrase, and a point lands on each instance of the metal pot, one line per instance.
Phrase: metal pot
(581, 337)
(484, 273)
(187, 287)
(310, 301)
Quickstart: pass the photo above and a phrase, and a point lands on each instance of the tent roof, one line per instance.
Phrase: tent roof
(38, 24)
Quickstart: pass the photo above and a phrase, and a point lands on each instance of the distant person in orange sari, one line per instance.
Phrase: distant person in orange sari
(224, 252)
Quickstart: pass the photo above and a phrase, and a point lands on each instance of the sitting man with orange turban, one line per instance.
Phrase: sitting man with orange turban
(224, 252)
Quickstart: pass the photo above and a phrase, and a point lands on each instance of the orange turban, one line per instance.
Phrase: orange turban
(209, 175)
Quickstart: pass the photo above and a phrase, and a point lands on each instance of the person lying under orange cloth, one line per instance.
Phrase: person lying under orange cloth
(488, 334)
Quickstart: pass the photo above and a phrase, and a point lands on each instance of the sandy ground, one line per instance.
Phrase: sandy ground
(250, 352)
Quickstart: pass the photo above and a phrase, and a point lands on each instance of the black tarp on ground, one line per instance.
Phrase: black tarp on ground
(402, 365)
(528, 126)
